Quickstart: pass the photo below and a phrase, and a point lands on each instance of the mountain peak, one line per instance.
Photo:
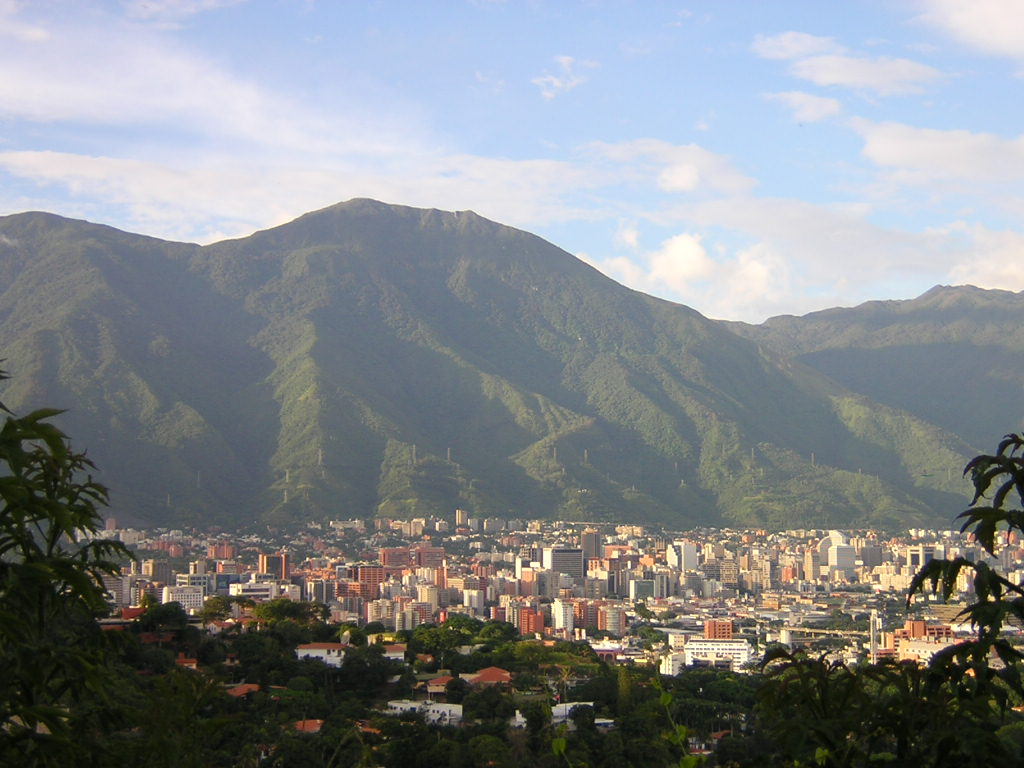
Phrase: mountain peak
(376, 359)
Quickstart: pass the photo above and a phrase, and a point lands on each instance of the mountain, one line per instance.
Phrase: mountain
(370, 359)
(953, 357)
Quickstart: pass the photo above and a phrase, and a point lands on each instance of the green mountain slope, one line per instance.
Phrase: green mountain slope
(374, 359)
(953, 356)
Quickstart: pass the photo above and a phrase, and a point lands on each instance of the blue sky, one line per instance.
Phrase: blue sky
(744, 158)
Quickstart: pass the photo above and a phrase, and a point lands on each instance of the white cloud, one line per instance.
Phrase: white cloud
(106, 72)
(10, 27)
(677, 167)
(628, 236)
(883, 76)
(680, 264)
(490, 82)
(806, 107)
(752, 283)
(925, 155)
(824, 62)
(181, 201)
(793, 45)
(802, 256)
(242, 156)
(994, 259)
(992, 26)
(567, 78)
(169, 10)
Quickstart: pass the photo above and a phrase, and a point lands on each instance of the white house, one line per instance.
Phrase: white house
(434, 712)
(332, 654)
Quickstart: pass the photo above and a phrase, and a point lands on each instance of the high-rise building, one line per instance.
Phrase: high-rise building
(641, 589)
(429, 557)
(370, 574)
(429, 594)
(612, 619)
(200, 580)
(474, 600)
(919, 555)
(562, 616)
(276, 565)
(812, 564)
(380, 610)
(718, 629)
(568, 560)
(424, 612)
(531, 621)
(395, 557)
(320, 590)
(682, 555)
(590, 543)
(118, 588)
(726, 571)
(842, 557)
(157, 570)
(220, 551)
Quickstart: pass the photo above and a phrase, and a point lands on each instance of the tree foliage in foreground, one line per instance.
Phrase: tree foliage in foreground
(51, 650)
(955, 711)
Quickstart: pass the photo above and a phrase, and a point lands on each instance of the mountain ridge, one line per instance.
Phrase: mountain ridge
(368, 359)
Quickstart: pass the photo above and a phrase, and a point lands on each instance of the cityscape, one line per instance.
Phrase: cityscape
(488, 384)
(712, 597)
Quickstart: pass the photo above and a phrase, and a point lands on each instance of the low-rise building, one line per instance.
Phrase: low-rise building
(433, 712)
(332, 654)
(722, 654)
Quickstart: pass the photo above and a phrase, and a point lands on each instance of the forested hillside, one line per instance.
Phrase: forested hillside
(369, 359)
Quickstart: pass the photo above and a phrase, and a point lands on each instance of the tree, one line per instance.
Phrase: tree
(643, 611)
(455, 690)
(488, 703)
(215, 608)
(163, 617)
(948, 713)
(51, 590)
(997, 479)
(283, 609)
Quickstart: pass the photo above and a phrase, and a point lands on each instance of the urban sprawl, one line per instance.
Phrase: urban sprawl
(714, 597)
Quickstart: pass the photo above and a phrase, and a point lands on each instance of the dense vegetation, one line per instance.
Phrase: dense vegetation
(372, 359)
(918, 356)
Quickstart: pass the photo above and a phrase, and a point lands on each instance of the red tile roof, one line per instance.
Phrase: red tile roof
(491, 675)
(243, 690)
